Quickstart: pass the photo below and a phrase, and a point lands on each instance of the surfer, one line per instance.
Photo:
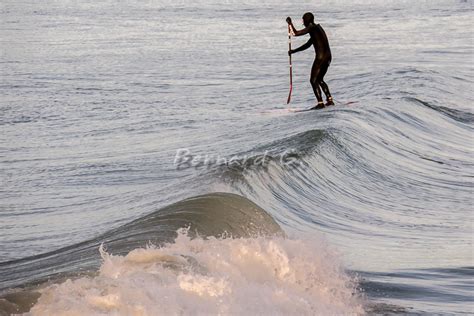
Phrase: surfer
(323, 58)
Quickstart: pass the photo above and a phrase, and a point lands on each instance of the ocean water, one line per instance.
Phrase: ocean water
(149, 167)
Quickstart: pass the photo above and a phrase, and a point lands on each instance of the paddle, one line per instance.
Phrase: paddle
(291, 67)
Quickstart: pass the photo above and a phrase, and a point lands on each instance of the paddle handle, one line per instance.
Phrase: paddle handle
(291, 65)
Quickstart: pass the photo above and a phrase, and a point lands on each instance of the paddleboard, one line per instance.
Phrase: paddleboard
(281, 111)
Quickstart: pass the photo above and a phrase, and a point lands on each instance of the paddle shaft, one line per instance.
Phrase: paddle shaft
(291, 65)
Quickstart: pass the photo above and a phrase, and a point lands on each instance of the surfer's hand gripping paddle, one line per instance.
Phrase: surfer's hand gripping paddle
(291, 66)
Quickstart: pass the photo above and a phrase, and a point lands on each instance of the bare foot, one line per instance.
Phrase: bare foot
(318, 107)
(329, 102)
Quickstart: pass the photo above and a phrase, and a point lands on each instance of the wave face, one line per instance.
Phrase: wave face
(217, 214)
(232, 258)
(360, 208)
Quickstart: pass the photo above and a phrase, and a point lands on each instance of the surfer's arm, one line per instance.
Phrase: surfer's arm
(303, 47)
(300, 32)
(295, 31)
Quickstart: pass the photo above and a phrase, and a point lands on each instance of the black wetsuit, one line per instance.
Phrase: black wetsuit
(322, 61)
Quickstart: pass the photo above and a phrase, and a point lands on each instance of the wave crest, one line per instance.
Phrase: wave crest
(211, 276)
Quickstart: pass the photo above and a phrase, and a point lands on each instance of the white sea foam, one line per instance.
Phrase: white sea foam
(265, 276)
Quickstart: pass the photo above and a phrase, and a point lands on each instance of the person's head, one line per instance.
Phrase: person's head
(308, 18)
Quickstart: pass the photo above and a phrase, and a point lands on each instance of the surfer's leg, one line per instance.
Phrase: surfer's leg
(315, 84)
(323, 84)
(325, 88)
